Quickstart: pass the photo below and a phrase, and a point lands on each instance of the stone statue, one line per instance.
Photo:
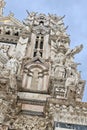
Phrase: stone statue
(73, 77)
(30, 19)
(69, 56)
(74, 51)
(59, 71)
(59, 58)
(58, 67)
(2, 4)
(12, 66)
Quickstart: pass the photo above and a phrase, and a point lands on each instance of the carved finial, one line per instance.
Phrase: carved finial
(2, 4)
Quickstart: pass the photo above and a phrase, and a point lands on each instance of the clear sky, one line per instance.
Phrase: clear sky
(76, 19)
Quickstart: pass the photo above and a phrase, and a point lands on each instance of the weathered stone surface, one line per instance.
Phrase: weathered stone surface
(39, 80)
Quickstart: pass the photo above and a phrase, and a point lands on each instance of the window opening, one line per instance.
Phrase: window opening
(41, 23)
(36, 45)
(41, 45)
(16, 34)
(0, 31)
(38, 50)
(8, 32)
(34, 54)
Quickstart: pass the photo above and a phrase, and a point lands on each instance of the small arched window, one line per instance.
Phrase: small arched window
(39, 45)
(8, 32)
(41, 23)
(36, 44)
(0, 31)
(16, 33)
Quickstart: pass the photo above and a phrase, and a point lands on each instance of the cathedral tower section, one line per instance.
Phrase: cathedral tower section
(40, 86)
(39, 28)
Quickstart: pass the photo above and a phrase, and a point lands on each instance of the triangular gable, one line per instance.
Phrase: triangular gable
(10, 20)
(37, 61)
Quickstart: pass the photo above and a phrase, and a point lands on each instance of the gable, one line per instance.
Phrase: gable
(10, 20)
(36, 62)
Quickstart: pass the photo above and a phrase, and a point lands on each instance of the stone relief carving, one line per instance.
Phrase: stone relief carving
(6, 51)
(8, 107)
(29, 123)
(63, 67)
(67, 114)
(73, 77)
(11, 57)
(8, 88)
(21, 48)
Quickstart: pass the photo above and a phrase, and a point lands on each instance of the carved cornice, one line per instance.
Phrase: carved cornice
(67, 102)
(30, 122)
(64, 110)
(34, 102)
(33, 91)
(9, 33)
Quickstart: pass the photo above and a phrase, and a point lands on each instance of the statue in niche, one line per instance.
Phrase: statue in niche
(79, 88)
(12, 67)
(58, 65)
(59, 58)
(4, 53)
(59, 71)
(73, 76)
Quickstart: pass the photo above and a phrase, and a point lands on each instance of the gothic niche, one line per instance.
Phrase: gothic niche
(36, 77)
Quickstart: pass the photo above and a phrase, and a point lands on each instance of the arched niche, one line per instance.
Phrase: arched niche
(36, 77)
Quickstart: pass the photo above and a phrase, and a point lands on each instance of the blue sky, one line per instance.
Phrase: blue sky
(76, 19)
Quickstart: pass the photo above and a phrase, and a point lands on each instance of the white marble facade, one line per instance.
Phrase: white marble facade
(38, 75)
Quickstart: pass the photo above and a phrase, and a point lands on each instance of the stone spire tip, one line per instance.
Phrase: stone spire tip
(2, 5)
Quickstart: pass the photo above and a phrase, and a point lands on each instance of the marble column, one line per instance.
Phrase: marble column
(24, 78)
(45, 81)
(29, 79)
(40, 76)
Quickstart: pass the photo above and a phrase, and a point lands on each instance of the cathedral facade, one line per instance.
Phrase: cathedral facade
(40, 86)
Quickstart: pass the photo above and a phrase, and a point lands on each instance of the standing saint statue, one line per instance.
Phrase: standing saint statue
(13, 65)
(58, 66)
